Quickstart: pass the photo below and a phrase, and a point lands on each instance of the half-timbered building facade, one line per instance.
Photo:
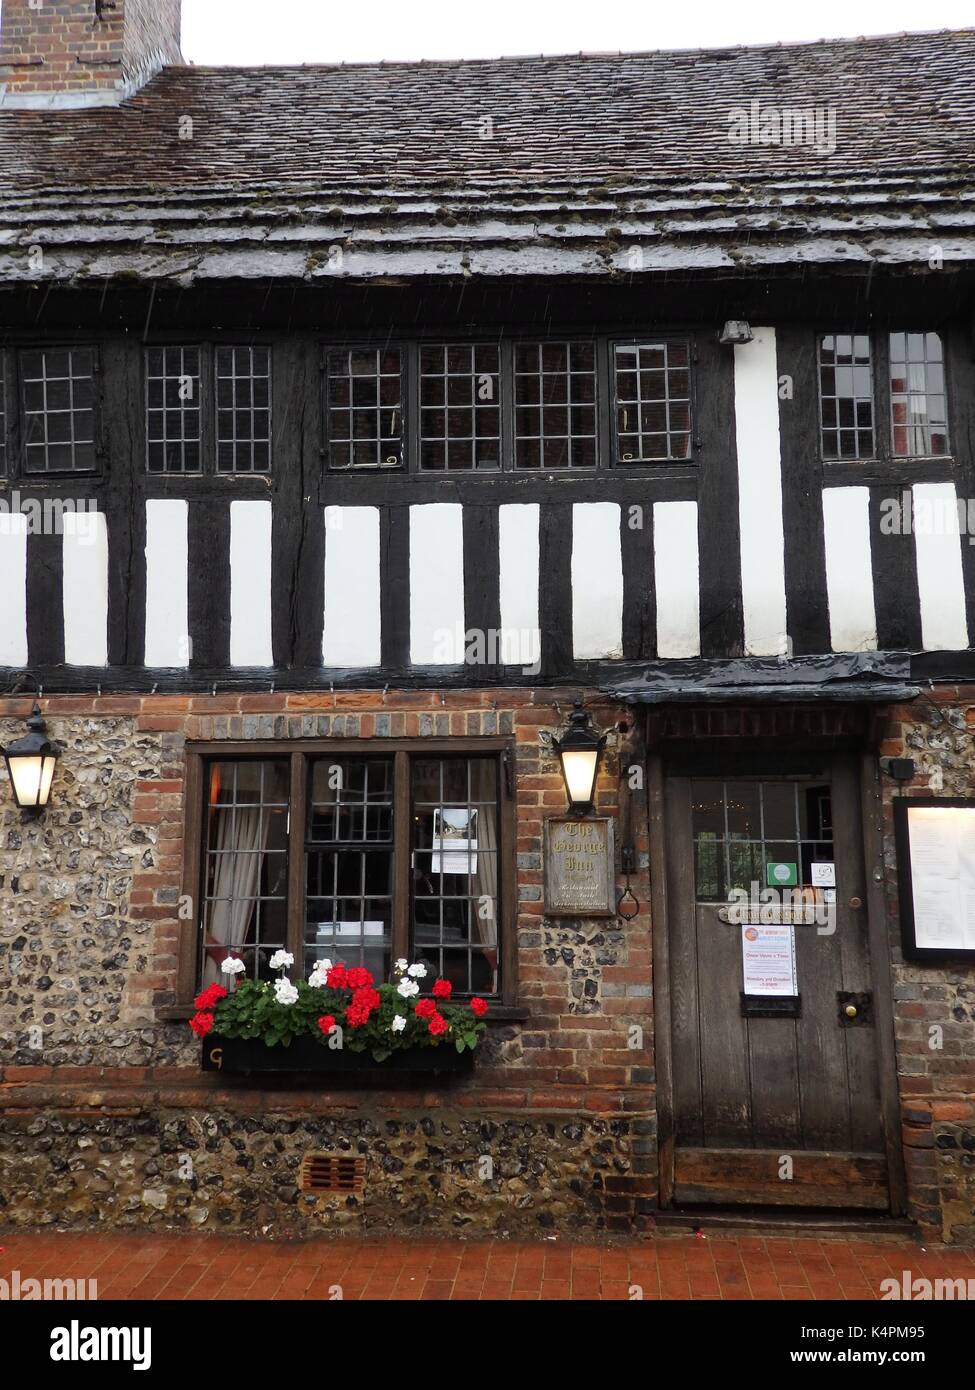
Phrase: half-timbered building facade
(371, 417)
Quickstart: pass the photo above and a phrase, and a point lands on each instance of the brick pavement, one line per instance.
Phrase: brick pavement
(665, 1266)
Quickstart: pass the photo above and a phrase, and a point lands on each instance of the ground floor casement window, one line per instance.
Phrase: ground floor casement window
(353, 855)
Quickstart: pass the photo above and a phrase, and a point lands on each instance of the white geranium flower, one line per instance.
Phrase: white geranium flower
(281, 960)
(285, 992)
(402, 964)
(407, 988)
(319, 974)
(232, 965)
(398, 1023)
(417, 972)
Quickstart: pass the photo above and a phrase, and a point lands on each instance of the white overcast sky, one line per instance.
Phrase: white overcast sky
(334, 31)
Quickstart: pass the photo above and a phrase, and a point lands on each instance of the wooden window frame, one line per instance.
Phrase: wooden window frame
(884, 462)
(36, 476)
(888, 385)
(505, 384)
(200, 440)
(406, 378)
(607, 453)
(301, 753)
(207, 348)
(645, 466)
(873, 364)
(571, 469)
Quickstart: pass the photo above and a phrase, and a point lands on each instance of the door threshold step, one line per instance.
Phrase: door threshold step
(793, 1221)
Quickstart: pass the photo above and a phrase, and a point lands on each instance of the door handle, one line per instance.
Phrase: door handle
(856, 902)
(854, 1010)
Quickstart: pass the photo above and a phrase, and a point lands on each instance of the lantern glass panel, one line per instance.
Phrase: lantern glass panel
(579, 767)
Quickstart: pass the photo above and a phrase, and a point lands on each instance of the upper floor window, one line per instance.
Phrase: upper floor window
(460, 415)
(243, 409)
(58, 392)
(364, 408)
(508, 405)
(918, 403)
(555, 405)
(173, 409)
(190, 429)
(846, 396)
(911, 422)
(653, 401)
(392, 853)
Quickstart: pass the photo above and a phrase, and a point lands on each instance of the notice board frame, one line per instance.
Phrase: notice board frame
(905, 882)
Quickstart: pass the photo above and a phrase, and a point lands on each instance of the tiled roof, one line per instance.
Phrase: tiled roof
(561, 165)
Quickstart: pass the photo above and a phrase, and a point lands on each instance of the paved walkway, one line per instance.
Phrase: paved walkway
(664, 1267)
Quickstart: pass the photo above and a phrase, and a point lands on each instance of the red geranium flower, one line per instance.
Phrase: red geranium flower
(442, 989)
(478, 1008)
(326, 1023)
(337, 977)
(356, 1015)
(201, 1024)
(358, 978)
(366, 998)
(425, 1008)
(438, 1025)
(210, 996)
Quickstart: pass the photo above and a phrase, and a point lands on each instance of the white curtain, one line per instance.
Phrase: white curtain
(236, 879)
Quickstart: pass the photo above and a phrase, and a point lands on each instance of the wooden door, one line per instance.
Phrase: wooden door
(783, 1109)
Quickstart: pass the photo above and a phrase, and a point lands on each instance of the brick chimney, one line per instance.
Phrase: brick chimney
(83, 52)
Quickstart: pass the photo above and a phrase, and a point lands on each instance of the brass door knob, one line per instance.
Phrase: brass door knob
(856, 902)
(850, 1010)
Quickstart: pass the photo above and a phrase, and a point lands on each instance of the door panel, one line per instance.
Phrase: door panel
(750, 1091)
(819, 1179)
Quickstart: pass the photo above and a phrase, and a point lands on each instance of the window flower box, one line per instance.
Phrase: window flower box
(335, 1021)
(247, 1056)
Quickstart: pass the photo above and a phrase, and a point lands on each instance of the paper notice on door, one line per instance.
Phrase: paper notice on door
(768, 958)
(823, 875)
(942, 840)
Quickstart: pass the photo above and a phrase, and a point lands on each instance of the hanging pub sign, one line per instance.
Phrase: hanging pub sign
(580, 873)
(935, 839)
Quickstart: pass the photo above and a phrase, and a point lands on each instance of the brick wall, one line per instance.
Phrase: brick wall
(76, 45)
(934, 1005)
(88, 953)
(88, 933)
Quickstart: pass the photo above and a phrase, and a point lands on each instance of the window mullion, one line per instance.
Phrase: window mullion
(402, 856)
(506, 406)
(605, 449)
(208, 414)
(883, 447)
(297, 819)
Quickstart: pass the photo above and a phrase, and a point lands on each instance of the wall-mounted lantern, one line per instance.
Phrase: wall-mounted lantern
(30, 764)
(580, 749)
